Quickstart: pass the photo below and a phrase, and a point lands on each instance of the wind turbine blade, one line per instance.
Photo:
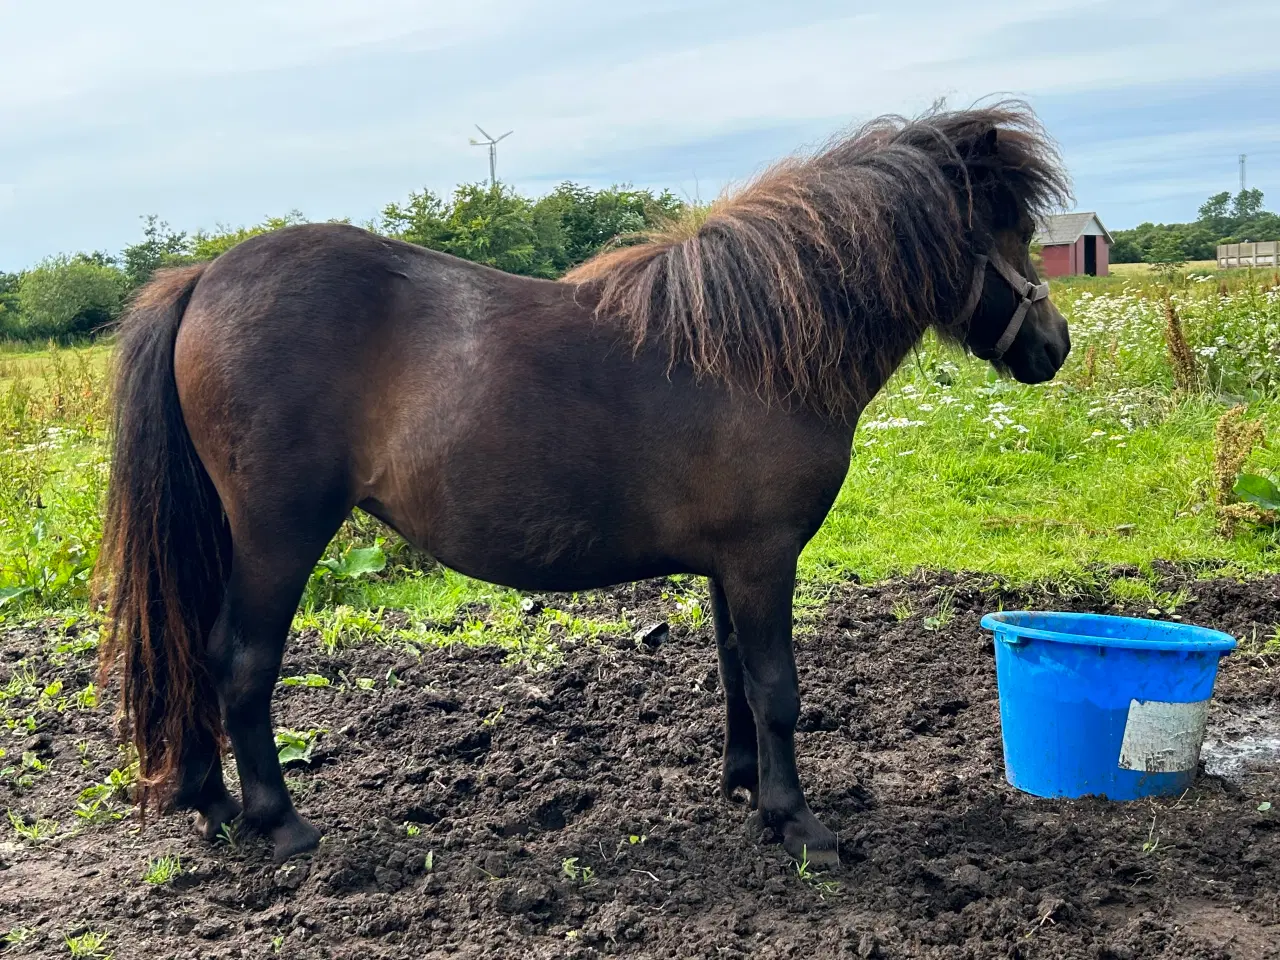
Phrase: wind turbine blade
(486, 135)
(505, 135)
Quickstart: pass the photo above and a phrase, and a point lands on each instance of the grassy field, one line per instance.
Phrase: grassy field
(952, 467)
(1146, 269)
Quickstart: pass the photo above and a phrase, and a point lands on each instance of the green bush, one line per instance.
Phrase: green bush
(9, 305)
(67, 297)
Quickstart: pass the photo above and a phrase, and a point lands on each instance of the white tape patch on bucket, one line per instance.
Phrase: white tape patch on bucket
(1163, 737)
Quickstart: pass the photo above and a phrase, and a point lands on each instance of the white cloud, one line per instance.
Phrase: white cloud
(81, 47)
(207, 109)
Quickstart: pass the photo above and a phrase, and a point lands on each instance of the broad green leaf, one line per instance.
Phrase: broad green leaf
(1259, 490)
(362, 560)
(12, 593)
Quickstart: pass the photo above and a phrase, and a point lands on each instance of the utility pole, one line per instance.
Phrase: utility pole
(492, 144)
(1242, 159)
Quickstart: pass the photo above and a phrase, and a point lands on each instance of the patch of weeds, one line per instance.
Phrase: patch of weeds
(122, 779)
(309, 680)
(412, 829)
(86, 699)
(295, 746)
(1141, 592)
(96, 804)
(23, 683)
(51, 697)
(73, 648)
(634, 840)
(689, 610)
(578, 873)
(1261, 647)
(162, 870)
(946, 612)
(814, 878)
(690, 600)
(230, 835)
(809, 604)
(343, 626)
(337, 577)
(902, 610)
(429, 864)
(89, 945)
(17, 935)
(37, 831)
(22, 776)
(276, 943)
(492, 719)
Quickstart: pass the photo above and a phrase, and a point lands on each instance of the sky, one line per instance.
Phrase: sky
(208, 114)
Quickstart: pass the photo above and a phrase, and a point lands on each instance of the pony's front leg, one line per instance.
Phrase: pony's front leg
(740, 762)
(759, 595)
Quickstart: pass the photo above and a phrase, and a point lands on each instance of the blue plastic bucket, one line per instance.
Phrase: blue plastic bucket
(1114, 706)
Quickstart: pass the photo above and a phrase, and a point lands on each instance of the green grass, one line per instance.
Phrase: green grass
(966, 490)
(162, 870)
(89, 945)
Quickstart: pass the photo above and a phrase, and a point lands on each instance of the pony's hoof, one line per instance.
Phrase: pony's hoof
(216, 818)
(804, 838)
(293, 837)
(809, 842)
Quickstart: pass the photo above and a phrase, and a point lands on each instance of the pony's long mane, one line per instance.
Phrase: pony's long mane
(811, 282)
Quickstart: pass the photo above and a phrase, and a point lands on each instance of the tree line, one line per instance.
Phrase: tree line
(1221, 219)
(71, 296)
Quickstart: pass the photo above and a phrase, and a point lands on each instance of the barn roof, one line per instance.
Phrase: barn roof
(1066, 228)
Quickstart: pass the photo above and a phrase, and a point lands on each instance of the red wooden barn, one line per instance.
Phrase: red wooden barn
(1074, 243)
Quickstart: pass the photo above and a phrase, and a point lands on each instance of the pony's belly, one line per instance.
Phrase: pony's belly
(564, 553)
(562, 578)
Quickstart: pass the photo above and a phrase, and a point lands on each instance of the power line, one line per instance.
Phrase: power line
(492, 144)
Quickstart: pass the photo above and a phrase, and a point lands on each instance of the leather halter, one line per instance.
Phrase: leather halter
(1028, 291)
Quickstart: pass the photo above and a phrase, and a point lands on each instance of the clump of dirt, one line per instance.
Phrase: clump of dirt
(477, 809)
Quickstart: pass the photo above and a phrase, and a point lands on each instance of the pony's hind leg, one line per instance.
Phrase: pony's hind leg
(201, 787)
(739, 769)
(269, 571)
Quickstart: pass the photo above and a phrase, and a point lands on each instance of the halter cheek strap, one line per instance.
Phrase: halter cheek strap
(1024, 288)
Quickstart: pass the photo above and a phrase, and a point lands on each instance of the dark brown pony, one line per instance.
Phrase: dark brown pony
(685, 405)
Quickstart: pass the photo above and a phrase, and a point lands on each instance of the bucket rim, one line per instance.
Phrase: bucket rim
(1192, 639)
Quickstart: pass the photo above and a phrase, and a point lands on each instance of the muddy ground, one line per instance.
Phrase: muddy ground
(573, 811)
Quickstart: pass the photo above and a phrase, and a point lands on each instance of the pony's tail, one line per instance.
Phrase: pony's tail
(165, 545)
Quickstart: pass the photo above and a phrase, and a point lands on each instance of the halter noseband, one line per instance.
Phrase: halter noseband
(1028, 291)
